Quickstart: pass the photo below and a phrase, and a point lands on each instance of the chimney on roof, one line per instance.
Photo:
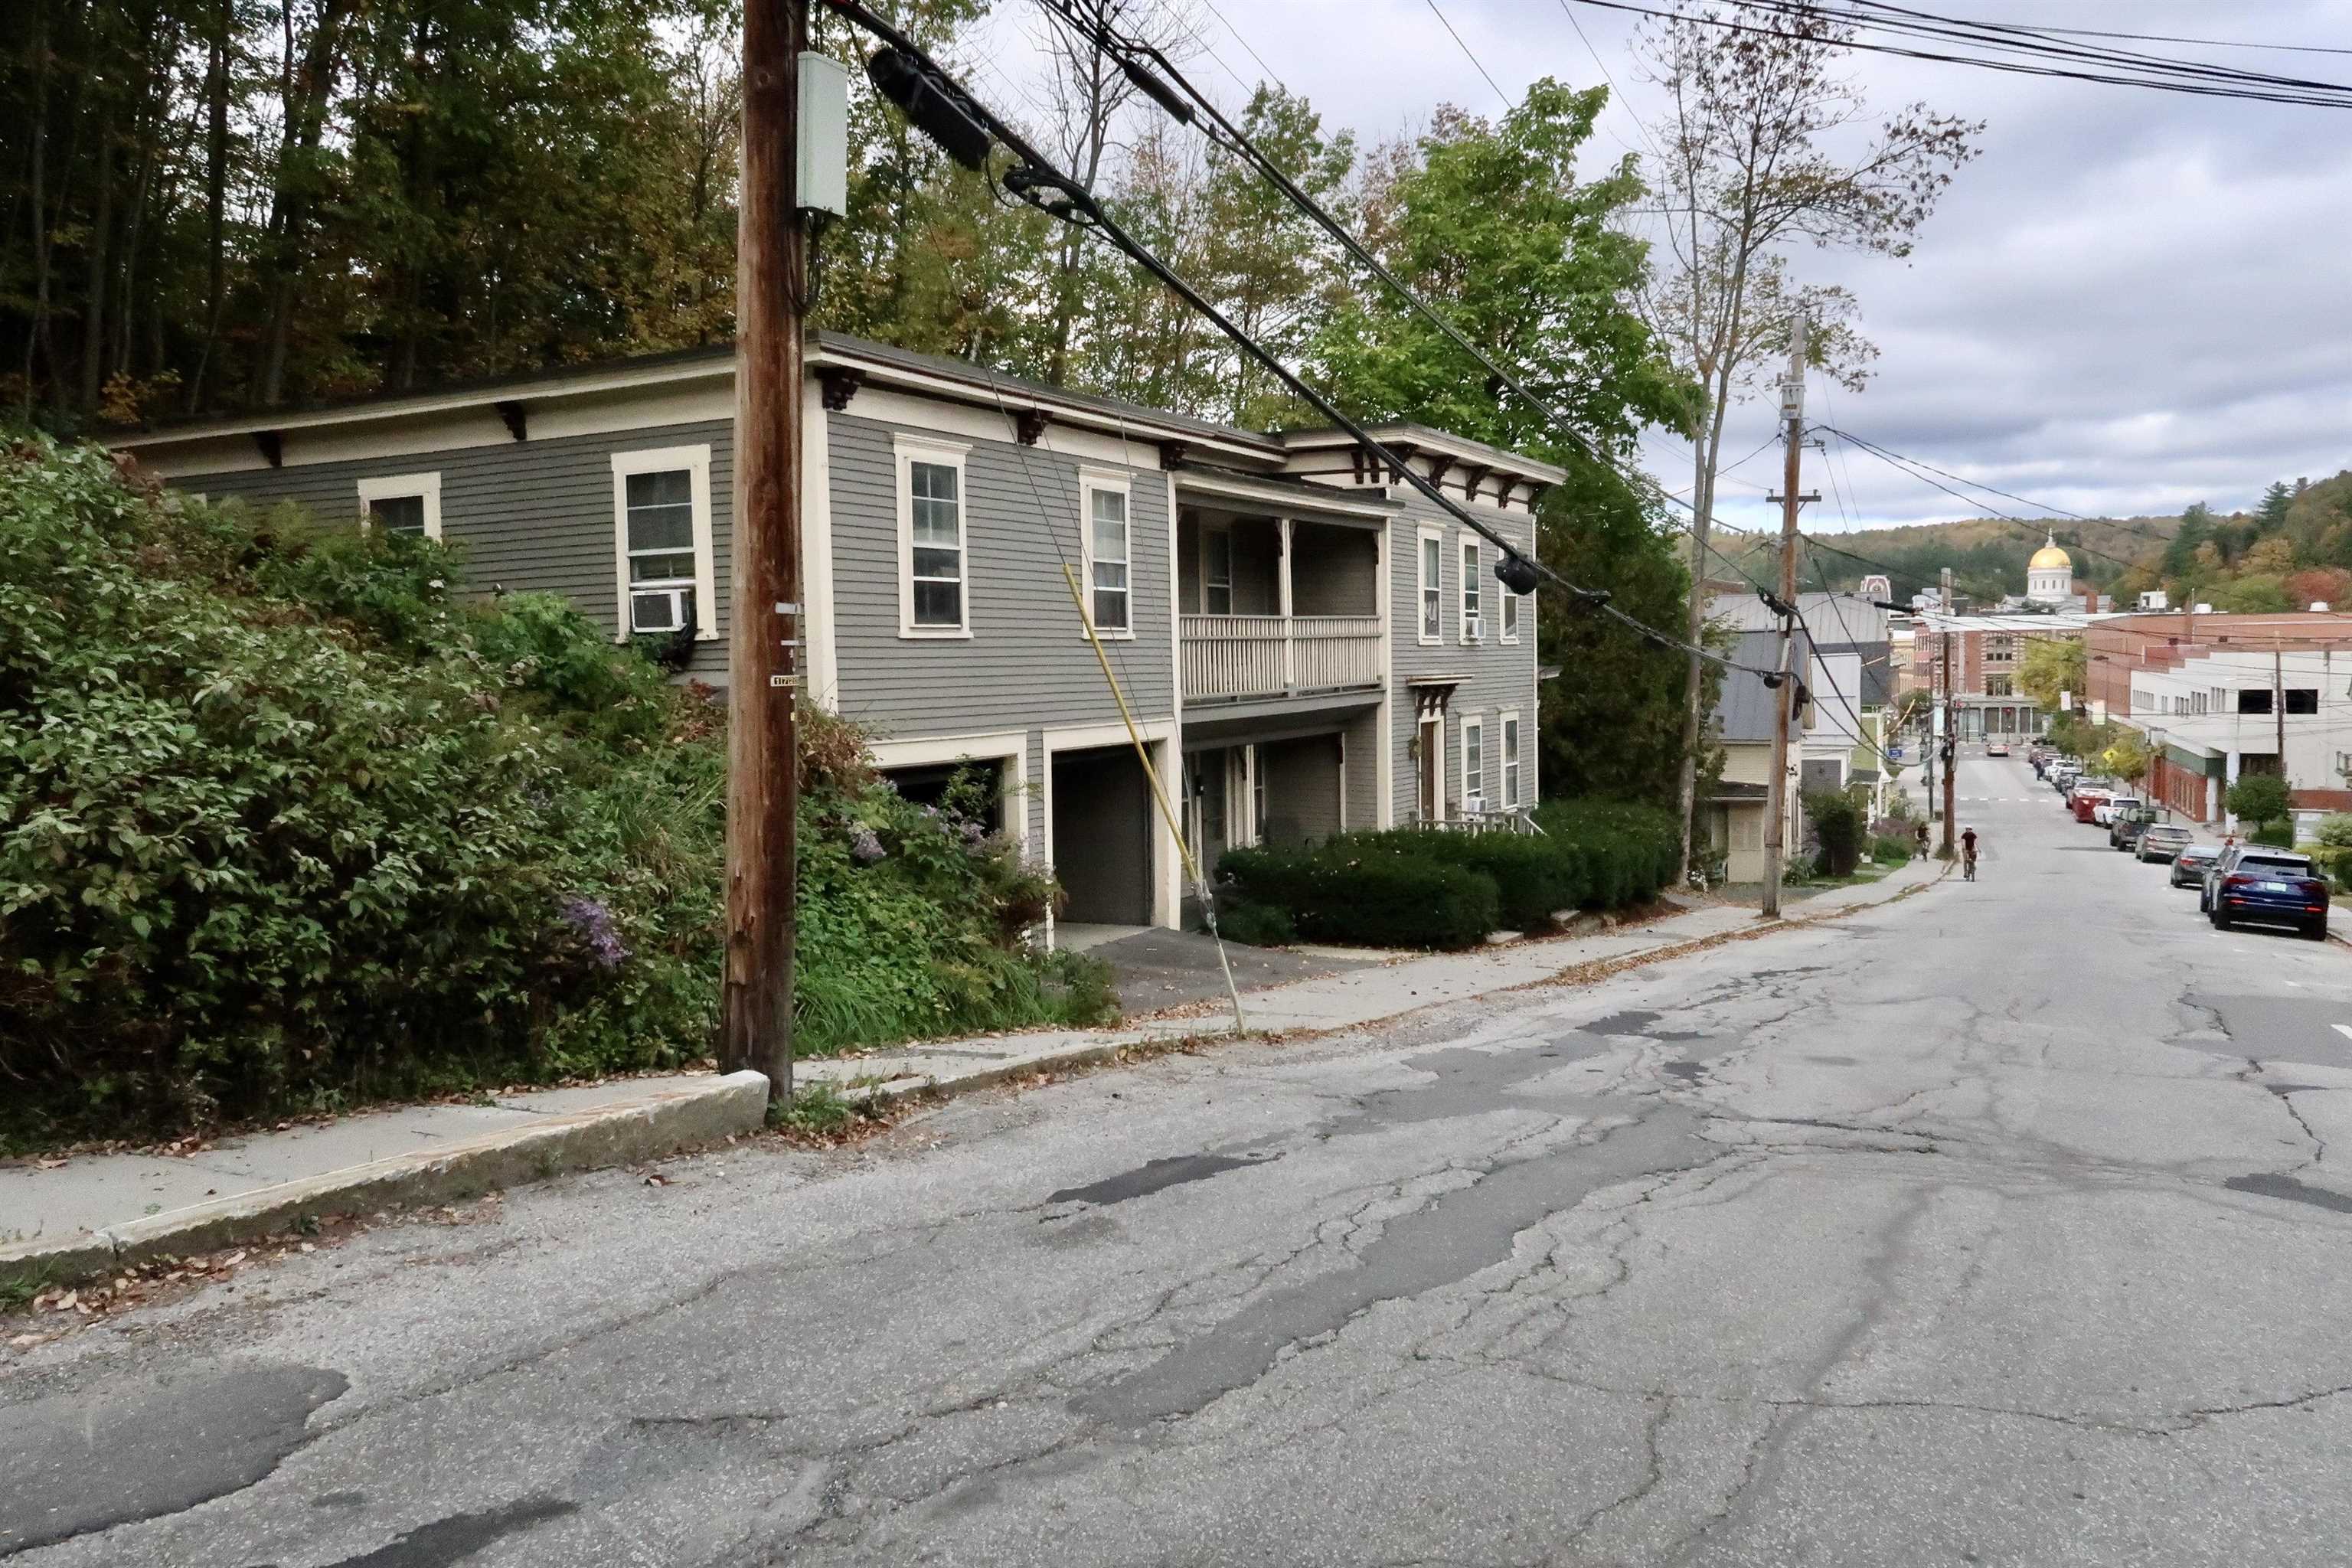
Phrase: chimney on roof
(2301, 486)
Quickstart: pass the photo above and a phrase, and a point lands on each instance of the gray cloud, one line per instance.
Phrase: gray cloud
(2130, 301)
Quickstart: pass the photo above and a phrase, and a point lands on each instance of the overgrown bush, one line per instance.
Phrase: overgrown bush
(1836, 816)
(286, 824)
(2279, 835)
(1367, 896)
(1889, 851)
(1626, 853)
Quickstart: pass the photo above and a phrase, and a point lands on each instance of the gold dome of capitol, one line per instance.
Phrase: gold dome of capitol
(2051, 557)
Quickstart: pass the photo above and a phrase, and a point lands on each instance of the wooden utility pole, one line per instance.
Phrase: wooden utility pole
(764, 654)
(1792, 416)
(2278, 704)
(1950, 743)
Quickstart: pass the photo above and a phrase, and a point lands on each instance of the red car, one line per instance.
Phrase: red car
(2086, 801)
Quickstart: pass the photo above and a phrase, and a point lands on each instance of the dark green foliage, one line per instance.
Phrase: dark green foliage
(1534, 877)
(1613, 725)
(1258, 925)
(1890, 851)
(1410, 888)
(1838, 818)
(2277, 834)
(1626, 853)
(1368, 895)
(284, 826)
(2257, 797)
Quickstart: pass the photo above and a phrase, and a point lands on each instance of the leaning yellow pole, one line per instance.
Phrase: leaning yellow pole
(1167, 812)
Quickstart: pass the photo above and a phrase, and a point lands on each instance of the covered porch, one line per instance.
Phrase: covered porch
(1278, 600)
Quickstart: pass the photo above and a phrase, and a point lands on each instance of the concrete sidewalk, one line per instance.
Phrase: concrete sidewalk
(1338, 1001)
(75, 1214)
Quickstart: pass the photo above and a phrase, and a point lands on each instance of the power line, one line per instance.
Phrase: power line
(2123, 72)
(1245, 44)
(1467, 54)
(944, 110)
(1144, 55)
(1901, 465)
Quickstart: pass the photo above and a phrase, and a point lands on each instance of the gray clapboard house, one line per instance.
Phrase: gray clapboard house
(1307, 644)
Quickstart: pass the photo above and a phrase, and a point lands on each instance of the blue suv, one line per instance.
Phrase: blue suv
(2251, 882)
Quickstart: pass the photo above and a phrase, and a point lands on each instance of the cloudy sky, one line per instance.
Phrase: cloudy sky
(2129, 301)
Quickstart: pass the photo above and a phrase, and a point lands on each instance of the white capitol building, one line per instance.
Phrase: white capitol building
(2050, 575)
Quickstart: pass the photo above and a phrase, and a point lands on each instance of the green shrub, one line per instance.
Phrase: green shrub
(1370, 897)
(284, 825)
(2334, 862)
(1256, 925)
(1836, 816)
(1534, 876)
(2277, 834)
(1626, 853)
(1888, 850)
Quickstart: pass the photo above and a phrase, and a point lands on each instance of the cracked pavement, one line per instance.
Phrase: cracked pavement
(1999, 1224)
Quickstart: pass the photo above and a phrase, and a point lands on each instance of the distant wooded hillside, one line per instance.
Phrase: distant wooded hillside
(2291, 548)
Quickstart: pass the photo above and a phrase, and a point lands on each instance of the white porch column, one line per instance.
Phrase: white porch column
(1290, 646)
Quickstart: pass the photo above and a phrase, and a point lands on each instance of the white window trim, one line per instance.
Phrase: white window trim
(393, 487)
(1505, 721)
(1473, 724)
(696, 461)
(1508, 611)
(909, 450)
(1423, 537)
(1092, 482)
(1470, 558)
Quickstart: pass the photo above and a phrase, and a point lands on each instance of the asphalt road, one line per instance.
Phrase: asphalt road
(1997, 1225)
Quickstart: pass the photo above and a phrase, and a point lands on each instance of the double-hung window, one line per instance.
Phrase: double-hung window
(1473, 766)
(402, 503)
(1217, 571)
(1510, 761)
(1433, 585)
(662, 544)
(1474, 625)
(934, 554)
(1510, 612)
(1110, 594)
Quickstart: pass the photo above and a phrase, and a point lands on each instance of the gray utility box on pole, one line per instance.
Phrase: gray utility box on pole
(823, 185)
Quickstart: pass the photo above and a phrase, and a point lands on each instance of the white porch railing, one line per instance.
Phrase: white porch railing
(1273, 656)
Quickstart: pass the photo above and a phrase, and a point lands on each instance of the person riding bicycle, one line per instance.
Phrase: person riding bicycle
(1968, 851)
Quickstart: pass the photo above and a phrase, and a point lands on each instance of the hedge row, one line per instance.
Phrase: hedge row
(1407, 888)
(1361, 894)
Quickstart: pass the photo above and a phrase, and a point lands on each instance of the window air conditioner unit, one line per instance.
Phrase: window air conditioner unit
(657, 610)
(1473, 628)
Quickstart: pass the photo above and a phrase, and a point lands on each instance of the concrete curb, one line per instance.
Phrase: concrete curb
(662, 1122)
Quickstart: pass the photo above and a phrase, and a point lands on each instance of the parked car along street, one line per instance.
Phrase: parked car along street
(2160, 841)
(2108, 810)
(2255, 883)
(2188, 867)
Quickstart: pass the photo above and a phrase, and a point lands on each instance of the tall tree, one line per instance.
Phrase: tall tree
(1490, 221)
(1756, 155)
